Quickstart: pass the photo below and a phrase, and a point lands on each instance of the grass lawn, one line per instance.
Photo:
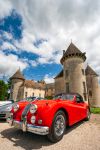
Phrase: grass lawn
(95, 110)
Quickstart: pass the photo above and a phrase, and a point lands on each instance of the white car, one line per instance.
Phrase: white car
(5, 107)
(5, 102)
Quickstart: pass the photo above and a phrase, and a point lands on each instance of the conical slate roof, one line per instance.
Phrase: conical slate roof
(18, 75)
(72, 50)
(90, 71)
(60, 74)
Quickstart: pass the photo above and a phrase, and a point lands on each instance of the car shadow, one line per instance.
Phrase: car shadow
(30, 141)
(73, 127)
(3, 121)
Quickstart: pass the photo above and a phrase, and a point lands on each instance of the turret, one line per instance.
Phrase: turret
(93, 87)
(74, 73)
(16, 81)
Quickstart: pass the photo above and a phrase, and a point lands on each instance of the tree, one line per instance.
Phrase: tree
(3, 90)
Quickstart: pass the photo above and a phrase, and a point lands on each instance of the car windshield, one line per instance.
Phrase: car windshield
(64, 96)
(32, 98)
(29, 99)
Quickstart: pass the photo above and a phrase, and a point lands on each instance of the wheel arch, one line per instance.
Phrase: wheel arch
(66, 113)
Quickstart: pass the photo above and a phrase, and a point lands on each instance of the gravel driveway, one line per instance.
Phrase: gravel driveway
(81, 136)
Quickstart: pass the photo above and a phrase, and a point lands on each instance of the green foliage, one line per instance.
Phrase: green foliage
(3, 90)
(9, 84)
(95, 110)
(48, 97)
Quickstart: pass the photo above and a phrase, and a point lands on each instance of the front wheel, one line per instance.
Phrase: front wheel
(58, 127)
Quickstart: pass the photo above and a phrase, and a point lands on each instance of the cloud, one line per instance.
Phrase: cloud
(57, 21)
(48, 79)
(5, 8)
(7, 45)
(9, 64)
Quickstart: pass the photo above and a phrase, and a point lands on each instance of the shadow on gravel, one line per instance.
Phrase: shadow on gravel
(69, 129)
(3, 121)
(30, 141)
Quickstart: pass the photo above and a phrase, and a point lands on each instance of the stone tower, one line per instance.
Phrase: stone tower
(16, 81)
(93, 87)
(74, 78)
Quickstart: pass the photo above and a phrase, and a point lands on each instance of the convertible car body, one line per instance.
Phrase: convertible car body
(49, 117)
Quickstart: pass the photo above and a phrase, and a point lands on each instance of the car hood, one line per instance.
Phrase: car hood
(45, 102)
(6, 107)
(49, 102)
(5, 103)
(22, 104)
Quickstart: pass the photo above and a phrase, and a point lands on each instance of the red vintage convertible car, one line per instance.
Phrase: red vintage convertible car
(49, 117)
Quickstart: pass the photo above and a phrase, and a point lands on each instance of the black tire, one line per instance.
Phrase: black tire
(54, 135)
(88, 115)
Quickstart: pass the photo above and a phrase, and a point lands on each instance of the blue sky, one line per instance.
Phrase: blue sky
(13, 24)
(33, 36)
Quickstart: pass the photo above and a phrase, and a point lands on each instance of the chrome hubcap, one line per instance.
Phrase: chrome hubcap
(59, 125)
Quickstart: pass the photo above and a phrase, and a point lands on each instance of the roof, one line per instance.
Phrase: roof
(33, 84)
(50, 86)
(90, 71)
(60, 74)
(72, 50)
(29, 83)
(18, 75)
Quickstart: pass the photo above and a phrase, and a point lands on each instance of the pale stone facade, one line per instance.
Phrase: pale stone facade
(74, 78)
(28, 92)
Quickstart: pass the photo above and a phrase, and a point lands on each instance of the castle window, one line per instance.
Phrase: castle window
(83, 72)
(84, 87)
(67, 87)
(25, 94)
(90, 93)
(66, 73)
(33, 94)
(39, 95)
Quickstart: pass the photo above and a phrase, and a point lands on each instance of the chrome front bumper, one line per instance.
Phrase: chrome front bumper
(41, 130)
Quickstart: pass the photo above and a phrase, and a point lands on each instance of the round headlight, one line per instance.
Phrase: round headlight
(33, 119)
(33, 109)
(9, 108)
(16, 107)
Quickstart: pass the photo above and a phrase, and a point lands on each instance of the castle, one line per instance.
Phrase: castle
(73, 78)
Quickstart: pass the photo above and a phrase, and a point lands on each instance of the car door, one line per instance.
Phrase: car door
(72, 108)
(81, 107)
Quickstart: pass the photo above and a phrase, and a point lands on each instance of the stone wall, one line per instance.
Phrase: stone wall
(59, 85)
(75, 76)
(93, 90)
(16, 83)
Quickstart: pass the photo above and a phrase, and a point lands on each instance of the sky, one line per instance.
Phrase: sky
(34, 33)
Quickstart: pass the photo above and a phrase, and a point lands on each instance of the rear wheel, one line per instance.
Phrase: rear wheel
(58, 127)
(88, 115)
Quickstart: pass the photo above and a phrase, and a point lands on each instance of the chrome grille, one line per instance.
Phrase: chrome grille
(25, 111)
